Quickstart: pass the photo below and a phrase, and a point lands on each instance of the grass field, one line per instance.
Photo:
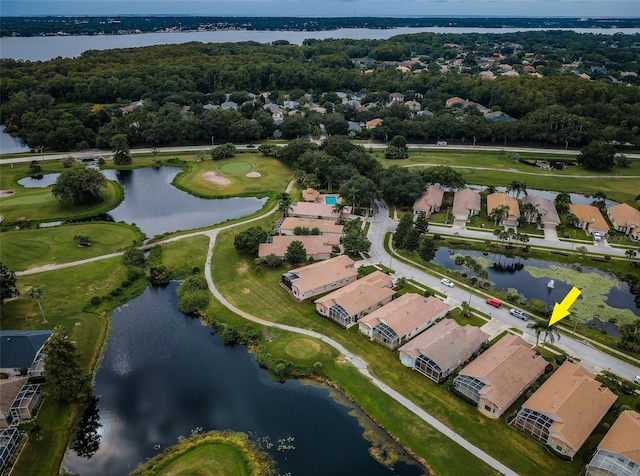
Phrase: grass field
(266, 299)
(38, 204)
(24, 249)
(470, 163)
(274, 176)
(214, 459)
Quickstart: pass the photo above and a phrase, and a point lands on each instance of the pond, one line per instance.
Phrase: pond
(165, 374)
(156, 206)
(10, 144)
(531, 277)
(576, 198)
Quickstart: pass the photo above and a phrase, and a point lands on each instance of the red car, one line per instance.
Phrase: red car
(494, 302)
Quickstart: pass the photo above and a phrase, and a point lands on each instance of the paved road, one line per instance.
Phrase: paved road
(206, 148)
(578, 347)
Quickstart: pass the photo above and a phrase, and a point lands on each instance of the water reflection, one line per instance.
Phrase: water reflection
(165, 374)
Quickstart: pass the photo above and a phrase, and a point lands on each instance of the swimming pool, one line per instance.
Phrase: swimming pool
(330, 200)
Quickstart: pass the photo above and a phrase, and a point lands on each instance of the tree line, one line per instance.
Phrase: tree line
(69, 104)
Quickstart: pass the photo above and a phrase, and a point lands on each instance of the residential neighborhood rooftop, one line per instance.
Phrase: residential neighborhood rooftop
(546, 208)
(465, 201)
(430, 199)
(318, 274)
(313, 244)
(590, 215)
(625, 215)
(624, 436)
(495, 200)
(325, 226)
(362, 294)
(19, 348)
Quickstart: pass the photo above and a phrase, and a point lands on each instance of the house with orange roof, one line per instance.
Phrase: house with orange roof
(626, 219)
(320, 210)
(401, 319)
(347, 305)
(590, 219)
(500, 375)
(320, 277)
(310, 195)
(325, 227)
(466, 203)
(618, 453)
(496, 200)
(453, 101)
(373, 123)
(317, 247)
(441, 349)
(565, 410)
(429, 202)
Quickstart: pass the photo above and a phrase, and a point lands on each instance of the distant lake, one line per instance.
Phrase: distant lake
(10, 144)
(165, 374)
(41, 48)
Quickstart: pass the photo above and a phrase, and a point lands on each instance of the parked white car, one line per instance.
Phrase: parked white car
(597, 236)
(636, 379)
(519, 314)
(447, 282)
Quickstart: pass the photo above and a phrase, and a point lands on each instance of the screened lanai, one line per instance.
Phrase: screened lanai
(386, 336)
(468, 386)
(26, 403)
(533, 423)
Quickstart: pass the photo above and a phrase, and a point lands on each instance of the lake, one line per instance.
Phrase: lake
(165, 374)
(10, 144)
(39, 48)
(156, 206)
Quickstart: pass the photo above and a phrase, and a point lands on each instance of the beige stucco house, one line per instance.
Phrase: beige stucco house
(320, 277)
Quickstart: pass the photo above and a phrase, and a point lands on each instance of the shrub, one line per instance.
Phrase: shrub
(193, 302)
(134, 256)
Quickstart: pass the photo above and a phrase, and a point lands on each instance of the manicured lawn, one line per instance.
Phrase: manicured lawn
(620, 189)
(258, 292)
(274, 176)
(213, 459)
(38, 204)
(24, 249)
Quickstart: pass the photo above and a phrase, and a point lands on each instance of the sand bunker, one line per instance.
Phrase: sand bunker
(254, 175)
(216, 178)
(7, 193)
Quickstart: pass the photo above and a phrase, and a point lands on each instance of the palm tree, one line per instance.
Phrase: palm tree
(530, 212)
(538, 327)
(339, 208)
(517, 188)
(284, 203)
(499, 214)
(551, 334)
(562, 202)
(36, 292)
(497, 232)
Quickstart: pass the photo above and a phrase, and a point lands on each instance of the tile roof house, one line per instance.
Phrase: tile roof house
(589, 218)
(317, 247)
(320, 277)
(565, 410)
(311, 195)
(373, 123)
(318, 210)
(429, 202)
(22, 349)
(626, 219)
(546, 209)
(453, 101)
(326, 227)
(618, 453)
(495, 200)
(396, 98)
(413, 105)
(347, 305)
(466, 203)
(500, 375)
(229, 105)
(402, 319)
(441, 349)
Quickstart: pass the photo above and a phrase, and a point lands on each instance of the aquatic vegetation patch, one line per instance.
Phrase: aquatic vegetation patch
(594, 287)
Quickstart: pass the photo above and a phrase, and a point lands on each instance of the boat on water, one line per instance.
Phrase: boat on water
(551, 284)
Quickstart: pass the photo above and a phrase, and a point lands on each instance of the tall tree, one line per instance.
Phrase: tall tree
(355, 241)
(598, 155)
(67, 381)
(562, 202)
(296, 253)
(120, 148)
(8, 288)
(284, 203)
(36, 292)
(80, 186)
(248, 241)
(428, 249)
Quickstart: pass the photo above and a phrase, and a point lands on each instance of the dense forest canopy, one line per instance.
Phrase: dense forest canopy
(189, 93)
(92, 25)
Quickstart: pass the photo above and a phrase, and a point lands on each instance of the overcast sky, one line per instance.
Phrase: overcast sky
(511, 8)
(541, 8)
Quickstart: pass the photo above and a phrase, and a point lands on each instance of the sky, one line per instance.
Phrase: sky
(327, 8)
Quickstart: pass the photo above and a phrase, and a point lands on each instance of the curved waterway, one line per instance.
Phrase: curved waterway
(165, 374)
(156, 206)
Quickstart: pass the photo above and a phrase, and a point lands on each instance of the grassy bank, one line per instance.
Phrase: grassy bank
(257, 291)
(38, 204)
(24, 249)
(219, 453)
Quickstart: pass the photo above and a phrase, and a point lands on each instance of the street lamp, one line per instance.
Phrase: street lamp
(211, 141)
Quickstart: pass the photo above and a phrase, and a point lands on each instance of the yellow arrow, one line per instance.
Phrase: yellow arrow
(560, 311)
